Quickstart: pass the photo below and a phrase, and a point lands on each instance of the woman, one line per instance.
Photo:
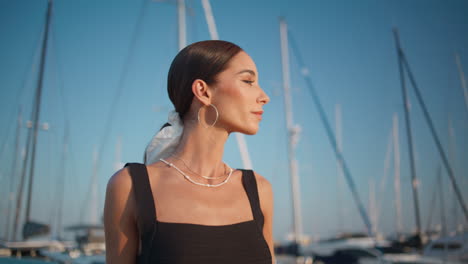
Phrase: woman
(186, 205)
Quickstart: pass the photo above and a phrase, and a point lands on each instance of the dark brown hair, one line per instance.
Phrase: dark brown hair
(201, 60)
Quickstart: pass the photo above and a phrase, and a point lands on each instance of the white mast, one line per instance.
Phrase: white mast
(396, 169)
(181, 22)
(293, 133)
(383, 181)
(214, 36)
(210, 20)
(462, 80)
(372, 206)
(118, 164)
(452, 156)
(340, 176)
(94, 201)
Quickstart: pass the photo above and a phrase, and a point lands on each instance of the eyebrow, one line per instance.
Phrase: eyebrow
(248, 71)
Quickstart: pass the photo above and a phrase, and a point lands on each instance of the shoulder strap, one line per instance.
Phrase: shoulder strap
(250, 186)
(146, 210)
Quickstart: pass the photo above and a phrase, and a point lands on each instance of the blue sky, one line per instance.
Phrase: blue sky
(348, 47)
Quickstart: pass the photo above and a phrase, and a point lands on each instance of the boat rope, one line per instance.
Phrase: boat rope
(64, 153)
(29, 70)
(409, 135)
(435, 137)
(115, 100)
(331, 137)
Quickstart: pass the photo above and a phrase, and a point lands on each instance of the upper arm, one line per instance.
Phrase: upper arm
(120, 228)
(265, 194)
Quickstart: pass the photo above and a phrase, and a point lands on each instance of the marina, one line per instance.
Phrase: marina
(322, 148)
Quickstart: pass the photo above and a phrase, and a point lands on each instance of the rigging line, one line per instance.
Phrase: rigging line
(14, 171)
(32, 132)
(406, 105)
(435, 137)
(29, 68)
(61, 173)
(37, 108)
(59, 76)
(67, 144)
(122, 79)
(19, 193)
(331, 138)
(114, 103)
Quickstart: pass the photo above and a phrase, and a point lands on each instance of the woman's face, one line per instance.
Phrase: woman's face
(238, 96)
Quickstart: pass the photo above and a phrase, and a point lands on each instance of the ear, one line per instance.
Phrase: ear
(201, 91)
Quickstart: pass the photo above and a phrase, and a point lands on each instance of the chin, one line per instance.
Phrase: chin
(249, 130)
(246, 128)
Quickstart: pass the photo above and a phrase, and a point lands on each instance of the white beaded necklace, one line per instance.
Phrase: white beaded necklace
(198, 183)
(203, 176)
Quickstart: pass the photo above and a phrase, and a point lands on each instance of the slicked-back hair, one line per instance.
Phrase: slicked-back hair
(201, 60)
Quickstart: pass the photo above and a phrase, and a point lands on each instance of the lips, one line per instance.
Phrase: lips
(258, 114)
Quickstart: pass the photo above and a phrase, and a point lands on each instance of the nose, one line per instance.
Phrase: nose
(263, 98)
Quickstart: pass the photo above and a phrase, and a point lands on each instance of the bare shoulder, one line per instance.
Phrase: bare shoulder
(120, 182)
(118, 193)
(264, 186)
(119, 219)
(265, 192)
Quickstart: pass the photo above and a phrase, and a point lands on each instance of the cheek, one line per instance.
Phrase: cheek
(231, 95)
(232, 91)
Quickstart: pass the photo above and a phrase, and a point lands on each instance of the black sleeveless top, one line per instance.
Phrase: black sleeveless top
(180, 243)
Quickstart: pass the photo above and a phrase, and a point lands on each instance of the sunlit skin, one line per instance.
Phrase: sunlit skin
(239, 100)
(238, 96)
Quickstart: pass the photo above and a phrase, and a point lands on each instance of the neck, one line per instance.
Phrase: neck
(202, 149)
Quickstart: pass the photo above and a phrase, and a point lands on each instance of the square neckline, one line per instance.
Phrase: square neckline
(203, 226)
(195, 224)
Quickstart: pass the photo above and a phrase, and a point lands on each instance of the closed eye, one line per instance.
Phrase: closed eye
(249, 82)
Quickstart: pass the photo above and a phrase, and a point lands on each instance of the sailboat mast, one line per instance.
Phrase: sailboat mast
(443, 220)
(293, 132)
(339, 164)
(37, 109)
(61, 183)
(210, 20)
(396, 170)
(331, 138)
(462, 79)
(32, 133)
(409, 135)
(404, 62)
(452, 157)
(13, 173)
(182, 25)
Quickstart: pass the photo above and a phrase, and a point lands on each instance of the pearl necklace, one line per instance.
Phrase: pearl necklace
(198, 183)
(203, 176)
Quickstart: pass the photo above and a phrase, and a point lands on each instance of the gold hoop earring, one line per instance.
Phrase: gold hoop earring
(216, 119)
